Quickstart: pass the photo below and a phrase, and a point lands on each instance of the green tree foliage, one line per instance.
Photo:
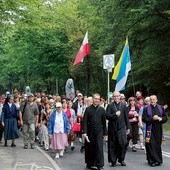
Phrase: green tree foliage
(40, 40)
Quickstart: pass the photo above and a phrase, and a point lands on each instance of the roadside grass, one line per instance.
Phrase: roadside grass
(166, 126)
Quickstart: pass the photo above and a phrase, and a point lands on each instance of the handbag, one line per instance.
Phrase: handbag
(76, 127)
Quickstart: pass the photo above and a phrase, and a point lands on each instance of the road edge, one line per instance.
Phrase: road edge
(55, 165)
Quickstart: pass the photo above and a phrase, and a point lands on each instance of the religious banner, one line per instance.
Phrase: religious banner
(69, 88)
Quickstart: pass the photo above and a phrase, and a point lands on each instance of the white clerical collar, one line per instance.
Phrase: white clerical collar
(10, 104)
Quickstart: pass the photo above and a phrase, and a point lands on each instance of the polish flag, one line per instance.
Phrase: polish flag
(83, 51)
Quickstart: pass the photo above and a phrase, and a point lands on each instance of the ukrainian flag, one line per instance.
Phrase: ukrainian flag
(122, 68)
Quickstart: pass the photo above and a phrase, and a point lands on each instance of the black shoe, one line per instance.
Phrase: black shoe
(113, 164)
(82, 149)
(91, 167)
(134, 149)
(157, 164)
(72, 148)
(122, 163)
(152, 164)
(100, 168)
(13, 145)
(6, 144)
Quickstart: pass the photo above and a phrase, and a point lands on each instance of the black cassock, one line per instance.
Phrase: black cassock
(153, 148)
(117, 126)
(94, 125)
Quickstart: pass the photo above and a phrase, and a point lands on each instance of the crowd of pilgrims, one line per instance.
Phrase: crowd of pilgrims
(56, 115)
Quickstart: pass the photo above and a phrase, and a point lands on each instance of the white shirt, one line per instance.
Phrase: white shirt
(59, 123)
(80, 109)
(10, 104)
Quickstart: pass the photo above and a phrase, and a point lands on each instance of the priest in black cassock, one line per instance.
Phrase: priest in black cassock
(118, 128)
(154, 116)
(94, 129)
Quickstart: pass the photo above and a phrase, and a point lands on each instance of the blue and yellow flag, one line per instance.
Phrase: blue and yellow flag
(122, 68)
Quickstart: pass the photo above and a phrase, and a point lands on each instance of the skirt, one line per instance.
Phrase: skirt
(11, 129)
(59, 141)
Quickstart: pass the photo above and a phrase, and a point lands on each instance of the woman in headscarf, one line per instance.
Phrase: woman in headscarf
(10, 114)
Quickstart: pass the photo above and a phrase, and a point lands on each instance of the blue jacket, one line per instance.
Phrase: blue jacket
(52, 122)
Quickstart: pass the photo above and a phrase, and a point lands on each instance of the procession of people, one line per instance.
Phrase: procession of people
(56, 121)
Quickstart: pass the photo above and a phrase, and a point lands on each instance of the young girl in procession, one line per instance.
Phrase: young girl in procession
(72, 118)
(45, 116)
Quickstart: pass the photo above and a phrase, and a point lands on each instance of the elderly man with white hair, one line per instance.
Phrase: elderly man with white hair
(154, 116)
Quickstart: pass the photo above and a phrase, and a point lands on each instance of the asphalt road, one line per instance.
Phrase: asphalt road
(38, 159)
(74, 160)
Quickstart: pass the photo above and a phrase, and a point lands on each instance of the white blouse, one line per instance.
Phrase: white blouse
(59, 123)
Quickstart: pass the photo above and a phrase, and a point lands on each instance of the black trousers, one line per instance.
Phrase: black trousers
(1, 131)
(133, 132)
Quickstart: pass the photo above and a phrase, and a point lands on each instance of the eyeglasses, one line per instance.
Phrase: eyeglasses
(116, 96)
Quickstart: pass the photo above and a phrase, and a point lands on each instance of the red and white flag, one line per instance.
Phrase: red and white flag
(83, 51)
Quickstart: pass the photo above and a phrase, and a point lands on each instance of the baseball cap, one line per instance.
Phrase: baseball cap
(79, 94)
(58, 104)
(30, 95)
(122, 96)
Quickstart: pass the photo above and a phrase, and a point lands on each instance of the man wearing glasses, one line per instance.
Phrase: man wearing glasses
(118, 128)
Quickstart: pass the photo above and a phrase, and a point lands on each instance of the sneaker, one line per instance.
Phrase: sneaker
(57, 155)
(80, 140)
(142, 147)
(134, 149)
(62, 153)
(46, 149)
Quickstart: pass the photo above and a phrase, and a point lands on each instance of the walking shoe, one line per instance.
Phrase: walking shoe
(113, 164)
(46, 149)
(152, 164)
(91, 167)
(134, 149)
(61, 153)
(72, 148)
(13, 145)
(25, 146)
(80, 140)
(82, 149)
(142, 147)
(57, 155)
(122, 163)
(6, 144)
(32, 146)
(157, 164)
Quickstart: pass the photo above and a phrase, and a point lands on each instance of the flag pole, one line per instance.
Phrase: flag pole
(133, 81)
(56, 86)
(108, 86)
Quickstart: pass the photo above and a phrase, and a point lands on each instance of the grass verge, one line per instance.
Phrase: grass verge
(166, 126)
